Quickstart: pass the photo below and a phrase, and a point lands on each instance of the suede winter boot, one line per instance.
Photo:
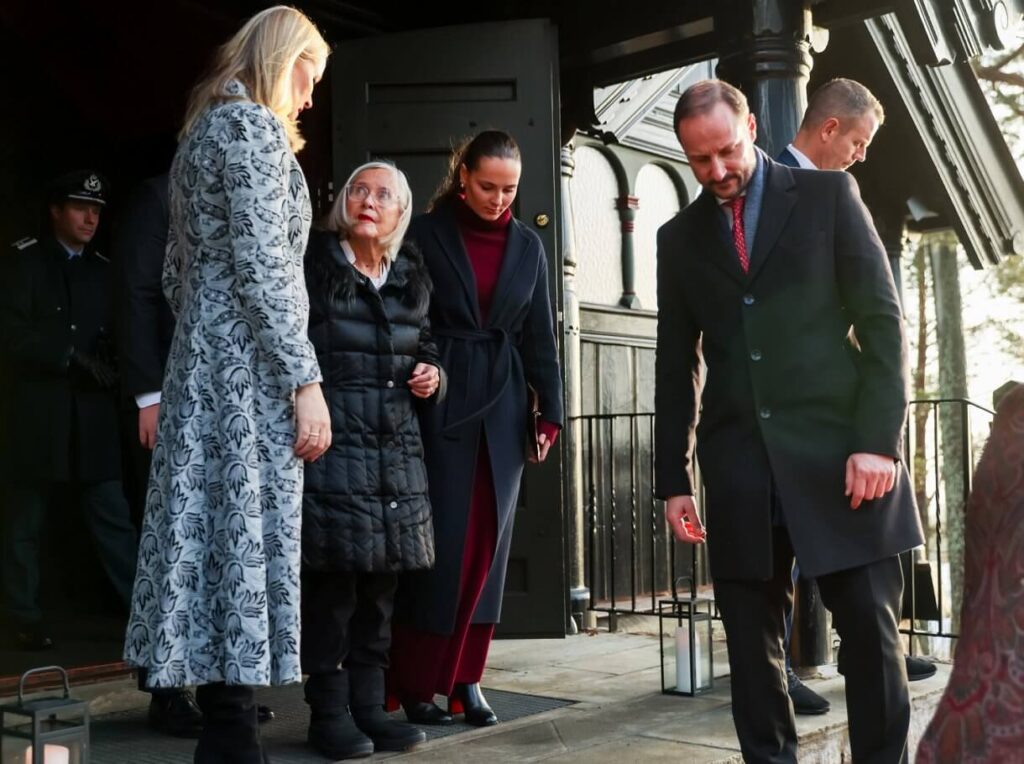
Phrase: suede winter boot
(231, 733)
(332, 731)
(386, 733)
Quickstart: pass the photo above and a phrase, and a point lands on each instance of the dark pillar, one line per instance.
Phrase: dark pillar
(766, 52)
(581, 618)
(627, 207)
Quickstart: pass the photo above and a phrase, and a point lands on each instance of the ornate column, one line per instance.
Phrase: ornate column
(627, 207)
(766, 52)
(579, 594)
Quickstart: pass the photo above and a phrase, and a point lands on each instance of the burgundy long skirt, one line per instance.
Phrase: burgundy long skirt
(425, 664)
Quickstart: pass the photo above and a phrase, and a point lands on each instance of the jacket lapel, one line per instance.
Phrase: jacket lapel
(447, 235)
(515, 255)
(776, 206)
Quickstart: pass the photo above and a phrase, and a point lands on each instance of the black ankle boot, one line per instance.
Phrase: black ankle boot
(174, 712)
(474, 705)
(387, 734)
(427, 713)
(231, 734)
(332, 730)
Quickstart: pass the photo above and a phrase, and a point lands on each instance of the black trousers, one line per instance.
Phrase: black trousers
(106, 511)
(865, 605)
(346, 628)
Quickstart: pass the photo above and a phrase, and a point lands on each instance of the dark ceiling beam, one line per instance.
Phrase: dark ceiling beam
(976, 172)
(832, 14)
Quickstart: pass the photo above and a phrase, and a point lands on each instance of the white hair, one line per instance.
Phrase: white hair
(337, 219)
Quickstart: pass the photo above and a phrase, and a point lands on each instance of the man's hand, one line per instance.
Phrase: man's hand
(869, 476)
(147, 425)
(681, 515)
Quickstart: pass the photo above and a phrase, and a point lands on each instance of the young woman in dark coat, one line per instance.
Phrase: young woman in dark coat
(365, 509)
(492, 317)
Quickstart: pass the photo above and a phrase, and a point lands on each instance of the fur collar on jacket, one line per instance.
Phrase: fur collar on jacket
(330, 274)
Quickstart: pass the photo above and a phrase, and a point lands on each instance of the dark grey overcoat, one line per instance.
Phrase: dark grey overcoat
(787, 397)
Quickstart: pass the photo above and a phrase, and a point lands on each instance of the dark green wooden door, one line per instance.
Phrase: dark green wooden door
(411, 97)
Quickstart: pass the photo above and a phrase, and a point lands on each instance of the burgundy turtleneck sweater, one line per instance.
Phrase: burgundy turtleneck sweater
(485, 242)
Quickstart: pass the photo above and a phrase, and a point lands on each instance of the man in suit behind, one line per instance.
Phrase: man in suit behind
(838, 126)
(759, 281)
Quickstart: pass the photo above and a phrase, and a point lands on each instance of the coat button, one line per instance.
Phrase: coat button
(766, 413)
(74, 328)
(391, 383)
(748, 299)
(393, 505)
(755, 355)
(59, 308)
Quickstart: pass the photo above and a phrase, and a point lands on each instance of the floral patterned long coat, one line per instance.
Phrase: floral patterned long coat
(217, 592)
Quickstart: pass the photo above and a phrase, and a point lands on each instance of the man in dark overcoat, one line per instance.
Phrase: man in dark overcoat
(759, 283)
(61, 430)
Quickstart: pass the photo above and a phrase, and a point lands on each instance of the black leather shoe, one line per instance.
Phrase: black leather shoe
(474, 705)
(919, 668)
(31, 639)
(427, 713)
(175, 713)
(264, 714)
(806, 701)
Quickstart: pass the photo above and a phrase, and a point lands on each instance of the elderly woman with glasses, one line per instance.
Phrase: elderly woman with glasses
(366, 512)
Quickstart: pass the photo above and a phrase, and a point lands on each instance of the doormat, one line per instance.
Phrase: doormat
(124, 737)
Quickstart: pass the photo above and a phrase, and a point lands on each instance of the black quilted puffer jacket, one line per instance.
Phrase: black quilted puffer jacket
(365, 506)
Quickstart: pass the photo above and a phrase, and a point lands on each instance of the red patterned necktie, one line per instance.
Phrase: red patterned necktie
(739, 238)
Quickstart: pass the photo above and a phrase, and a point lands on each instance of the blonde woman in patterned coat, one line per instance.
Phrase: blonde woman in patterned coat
(216, 600)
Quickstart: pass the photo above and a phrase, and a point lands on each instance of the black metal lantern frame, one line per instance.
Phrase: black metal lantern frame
(693, 648)
(60, 722)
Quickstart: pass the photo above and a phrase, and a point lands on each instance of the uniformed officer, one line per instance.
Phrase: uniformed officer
(60, 429)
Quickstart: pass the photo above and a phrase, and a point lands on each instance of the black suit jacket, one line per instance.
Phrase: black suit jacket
(58, 424)
(145, 321)
(786, 157)
(786, 398)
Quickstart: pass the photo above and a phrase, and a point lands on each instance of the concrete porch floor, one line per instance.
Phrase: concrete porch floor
(621, 716)
(618, 713)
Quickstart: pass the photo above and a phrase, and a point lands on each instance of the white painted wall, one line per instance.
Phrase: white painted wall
(659, 201)
(598, 232)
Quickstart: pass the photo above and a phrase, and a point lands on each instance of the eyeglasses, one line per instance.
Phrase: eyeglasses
(383, 196)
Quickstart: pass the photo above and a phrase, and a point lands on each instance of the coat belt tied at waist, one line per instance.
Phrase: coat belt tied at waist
(465, 366)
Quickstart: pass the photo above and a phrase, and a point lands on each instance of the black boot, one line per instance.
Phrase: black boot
(474, 705)
(332, 731)
(174, 712)
(419, 712)
(387, 734)
(231, 734)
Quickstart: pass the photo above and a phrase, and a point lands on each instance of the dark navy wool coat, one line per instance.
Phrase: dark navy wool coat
(488, 365)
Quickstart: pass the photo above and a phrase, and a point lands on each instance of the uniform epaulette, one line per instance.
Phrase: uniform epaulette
(25, 243)
(104, 258)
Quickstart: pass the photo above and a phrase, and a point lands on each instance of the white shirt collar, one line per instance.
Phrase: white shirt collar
(801, 158)
(385, 265)
(72, 252)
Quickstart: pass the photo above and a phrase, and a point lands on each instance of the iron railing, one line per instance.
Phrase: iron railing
(631, 560)
(935, 515)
